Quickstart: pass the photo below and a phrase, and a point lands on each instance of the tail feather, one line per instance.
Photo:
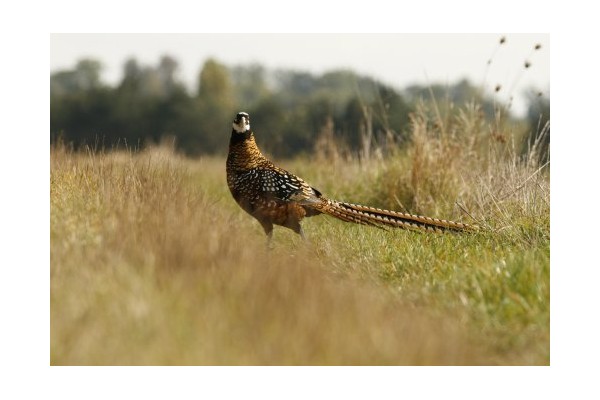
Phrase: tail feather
(385, 218)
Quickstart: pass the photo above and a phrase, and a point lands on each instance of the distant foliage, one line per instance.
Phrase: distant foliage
(462, 92)
(294, 110)
(538, 117)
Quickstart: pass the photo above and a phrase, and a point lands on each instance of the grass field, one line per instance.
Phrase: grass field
(152, 262)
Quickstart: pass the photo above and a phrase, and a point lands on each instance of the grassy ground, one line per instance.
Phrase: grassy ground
(152, 262)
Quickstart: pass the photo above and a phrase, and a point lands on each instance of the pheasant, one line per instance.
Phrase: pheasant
(274, 196)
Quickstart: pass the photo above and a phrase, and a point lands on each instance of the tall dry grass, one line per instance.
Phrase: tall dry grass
(457, 165)
(152, 262)
(150, 266)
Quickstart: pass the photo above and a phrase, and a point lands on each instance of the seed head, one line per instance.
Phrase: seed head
(502, 39)
(537, 46)
(527, 64)
(498, 87)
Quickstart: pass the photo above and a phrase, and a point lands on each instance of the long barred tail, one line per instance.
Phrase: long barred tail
(384, 218)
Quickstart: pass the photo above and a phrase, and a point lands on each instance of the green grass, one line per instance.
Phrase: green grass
(152, 262)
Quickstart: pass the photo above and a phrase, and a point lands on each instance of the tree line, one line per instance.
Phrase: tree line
(292, 108)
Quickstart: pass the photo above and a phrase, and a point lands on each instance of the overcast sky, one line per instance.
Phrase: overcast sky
(396, 59)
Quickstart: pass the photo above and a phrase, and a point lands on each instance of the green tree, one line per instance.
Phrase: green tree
(249, 85)
(80, 104)
(272, 118)
(216, 103)
(214, 84)
(85, 76)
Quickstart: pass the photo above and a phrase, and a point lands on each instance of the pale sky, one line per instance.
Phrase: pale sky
(396, 59)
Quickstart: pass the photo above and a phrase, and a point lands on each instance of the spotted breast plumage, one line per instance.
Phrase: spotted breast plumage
(274, 196)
